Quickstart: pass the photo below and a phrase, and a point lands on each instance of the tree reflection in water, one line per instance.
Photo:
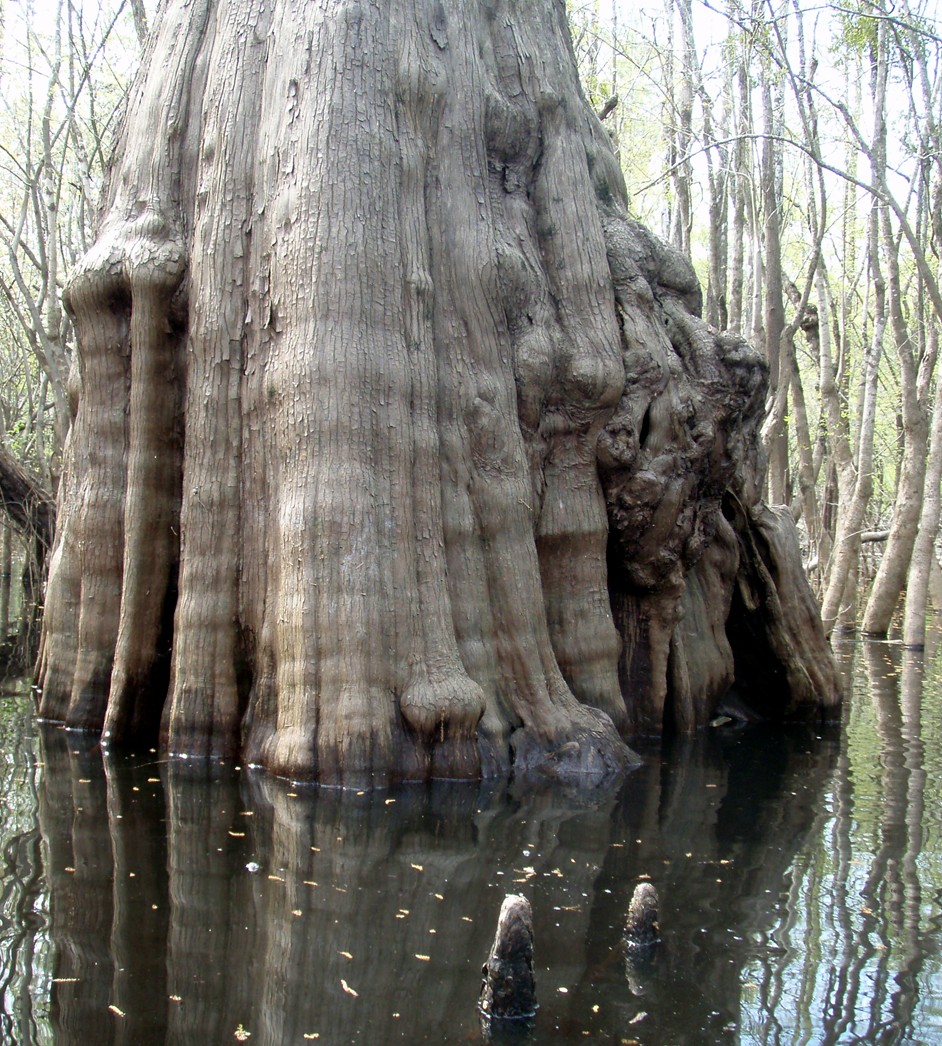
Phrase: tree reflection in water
(799, 877)
(860, 932)
(25, 952)
(366, 917)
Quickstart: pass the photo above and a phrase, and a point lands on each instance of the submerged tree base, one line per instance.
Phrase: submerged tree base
(448, 478)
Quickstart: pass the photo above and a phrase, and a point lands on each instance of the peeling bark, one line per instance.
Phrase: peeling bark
(396, 440)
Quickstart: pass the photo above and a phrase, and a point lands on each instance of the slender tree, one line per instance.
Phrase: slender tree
(923, 557)
(909, 227)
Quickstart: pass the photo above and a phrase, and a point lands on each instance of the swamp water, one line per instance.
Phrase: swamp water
(799, 871)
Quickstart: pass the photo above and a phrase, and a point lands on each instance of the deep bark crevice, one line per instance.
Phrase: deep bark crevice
(454, 437)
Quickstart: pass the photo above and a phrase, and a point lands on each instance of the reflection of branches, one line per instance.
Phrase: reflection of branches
(839, 911)
(915, 945)
(859, 946)
(23, 880)
(862, 951)
(22, 884)
(882, 889)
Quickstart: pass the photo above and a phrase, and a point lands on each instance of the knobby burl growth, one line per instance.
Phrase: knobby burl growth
(399, 450)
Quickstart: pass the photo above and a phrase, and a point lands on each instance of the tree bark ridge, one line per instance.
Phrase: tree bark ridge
(446, 437)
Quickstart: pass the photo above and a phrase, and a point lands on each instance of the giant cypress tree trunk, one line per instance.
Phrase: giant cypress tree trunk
(363, 300)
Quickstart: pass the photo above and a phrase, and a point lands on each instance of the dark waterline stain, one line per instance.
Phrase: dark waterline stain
(799, 875)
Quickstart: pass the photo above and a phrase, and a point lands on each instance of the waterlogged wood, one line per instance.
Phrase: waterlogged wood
(444, 436)
(641, 925)
(508, 991)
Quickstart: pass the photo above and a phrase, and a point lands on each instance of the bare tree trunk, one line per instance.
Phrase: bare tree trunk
(140, 20)
(916, 367)
(856, 487)
(807, 501)
(855, 477)
(907, 508)
(777, 353)
(6, 578)
(741, 181)
(923, 557)
(439, 389)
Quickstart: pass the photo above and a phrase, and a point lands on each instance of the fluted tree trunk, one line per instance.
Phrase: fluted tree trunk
(376, 381)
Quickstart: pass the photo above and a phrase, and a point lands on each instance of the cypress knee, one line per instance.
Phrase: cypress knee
(508, 990)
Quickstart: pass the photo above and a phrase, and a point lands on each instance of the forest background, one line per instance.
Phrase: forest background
(793, 150)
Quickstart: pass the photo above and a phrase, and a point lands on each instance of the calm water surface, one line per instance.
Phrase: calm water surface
(800, 876)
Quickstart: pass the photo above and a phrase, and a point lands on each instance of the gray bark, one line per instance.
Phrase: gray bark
(444, 434)
(923, 558)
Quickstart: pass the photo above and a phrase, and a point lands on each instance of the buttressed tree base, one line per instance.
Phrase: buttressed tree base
(399, 450)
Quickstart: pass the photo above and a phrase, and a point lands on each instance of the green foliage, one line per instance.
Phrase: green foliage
(856, 32)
